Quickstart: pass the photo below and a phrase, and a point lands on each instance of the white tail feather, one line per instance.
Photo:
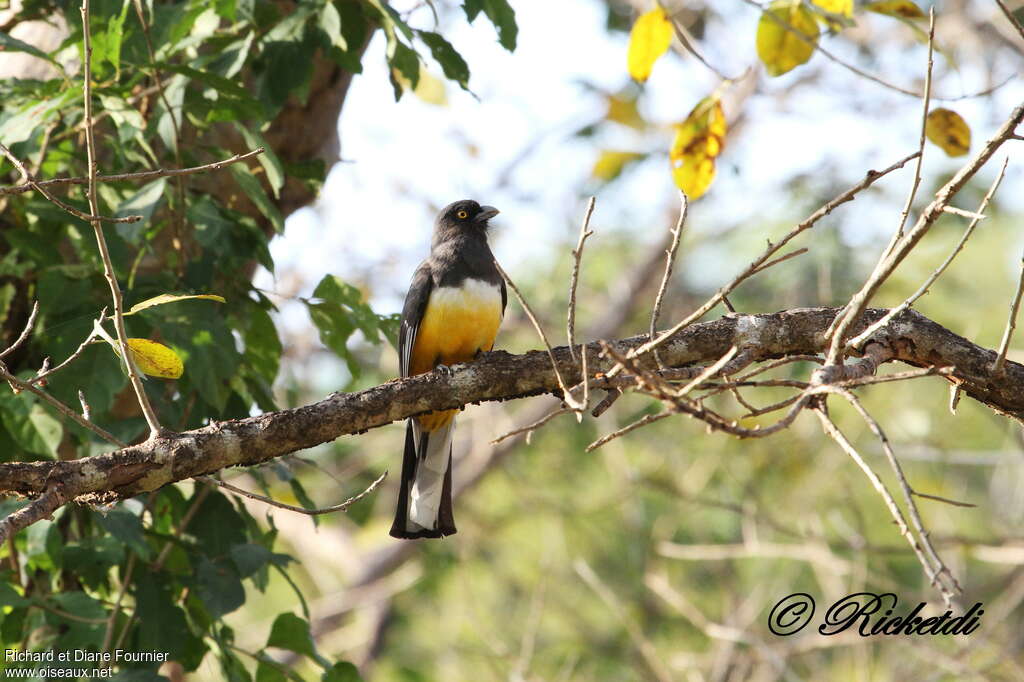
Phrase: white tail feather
(425, 494)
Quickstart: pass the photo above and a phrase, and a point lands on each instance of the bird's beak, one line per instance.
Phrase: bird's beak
(486, 213)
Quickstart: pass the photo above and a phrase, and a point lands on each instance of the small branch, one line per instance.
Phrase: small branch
(925, 105)
(134, 177)
(1012, 19)
(644, 647)
(59, 406)
(832, 430)
(670, 259)
(43, 374)
(36, 510)
(108, 267)
(566, 395)
(643, 421)
(577, 254)
(689, 44)
(1011, 323)
(290, 507)
(532, 426)
(30, 181)
(24, 332)
(908, 493)
(889, 261)
(864, 335)
(758, 265)
(709, 372)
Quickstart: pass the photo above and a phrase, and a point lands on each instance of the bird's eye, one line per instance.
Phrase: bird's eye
(462, 215)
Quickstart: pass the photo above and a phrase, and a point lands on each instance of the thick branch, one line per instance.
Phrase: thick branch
(912, 338)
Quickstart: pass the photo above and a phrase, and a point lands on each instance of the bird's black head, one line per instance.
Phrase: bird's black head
(465, 215)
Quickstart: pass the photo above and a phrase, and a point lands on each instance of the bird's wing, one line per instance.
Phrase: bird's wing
(412, 314)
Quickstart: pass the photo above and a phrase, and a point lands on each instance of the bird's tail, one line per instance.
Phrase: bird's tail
(425, 498)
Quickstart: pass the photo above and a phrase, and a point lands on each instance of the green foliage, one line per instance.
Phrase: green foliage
(176, 89)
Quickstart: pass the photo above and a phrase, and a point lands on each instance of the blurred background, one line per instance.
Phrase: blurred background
(659, 555)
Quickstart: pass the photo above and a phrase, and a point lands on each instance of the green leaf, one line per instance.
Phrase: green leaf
(403, 59)
(342, 671)
(268, 159)
(292, 633)
(115, 36)
(454, 66)
(219, 586)
(303, 497)
(126, 527)
(162, 623)
(171, 298)
(49, 429)
(29, 425)
(501, 15)
(250, 558)
(9, 597)
(217, 526)
(254, 190)
(262, 344)
(144, 202)
(342, 313)
(9, 44)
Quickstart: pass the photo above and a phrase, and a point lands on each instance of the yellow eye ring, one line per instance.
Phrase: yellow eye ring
(462, 215)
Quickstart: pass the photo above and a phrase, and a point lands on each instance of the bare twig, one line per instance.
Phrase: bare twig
(832, 430)
(577, 254)
(566, 395)
(531, 426)
(24, 332)
(908, 491)
(643, 645)
(689, 44)
(111, 622)
(888, 262)
(31, 182)
(40, 508)
(860, 338)
(926, 103)
(758, 264)
(850, 67)
(670, 259)
(643, 421)
(291, 507)
(134, 177)
(108, 267)
(1011, 322)
(59, 406)
(1012, 19)
(708, 372)
(44, 373)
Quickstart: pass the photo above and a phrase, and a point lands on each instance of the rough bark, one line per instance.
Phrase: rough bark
(913, 338)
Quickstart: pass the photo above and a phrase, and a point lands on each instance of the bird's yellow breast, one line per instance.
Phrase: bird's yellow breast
(458, 323)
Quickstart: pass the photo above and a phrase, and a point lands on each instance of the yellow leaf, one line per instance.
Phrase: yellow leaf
(156, 359)
(623, 110)
(843, 8)
(171, 298)
(948, 130)
(431, 89)
(697, 143)
(649, 39)
(778, 46)
(896, 8)
(611, 162)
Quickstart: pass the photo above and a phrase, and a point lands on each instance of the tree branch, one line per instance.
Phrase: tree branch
(130, 471)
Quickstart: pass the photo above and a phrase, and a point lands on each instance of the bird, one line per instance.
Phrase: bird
(452, 312)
